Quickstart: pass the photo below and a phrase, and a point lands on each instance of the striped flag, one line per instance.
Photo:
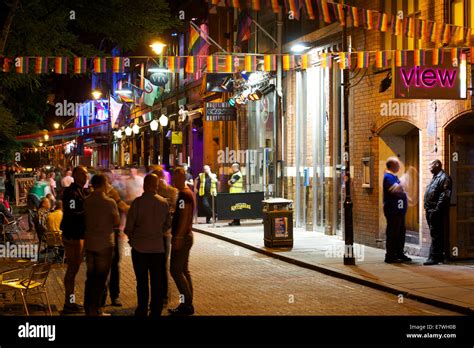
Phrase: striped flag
(99, 65)
(362, 60)
(304, 61)
(382, 22)
(341, 15)
(446, 34)
(191, 64)
(21, 65)
(381, 59)
(269, 62)
(355, 16)
(250, 63)
(397, 25)
(455, 54)
(196, 42)
(325, 11)
(409, 28)
(438, 56)
(421, 29)
(309, 9)
(400, 58)
(294, 6)
(229, 66)
(174, 64)
(212, 63)
(118, 65)
(344, 60)
(275, 6)
(41, 65)
(368, 19)
(326, 60)
(288, 62)
(80, 65)
(419, 57)
(256, 5)
(432, 31)
(468, 36)
(60, 65)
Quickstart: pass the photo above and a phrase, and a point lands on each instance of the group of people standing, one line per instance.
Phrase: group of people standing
(436, 203)
(158, 225)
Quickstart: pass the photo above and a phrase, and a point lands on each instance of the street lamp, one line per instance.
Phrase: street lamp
(46, 137)
(157, 47)
(128, 131)
(154, 125)
(56, 125)
(299, 47)
(136, 129)
(163, 120)
(96, 94)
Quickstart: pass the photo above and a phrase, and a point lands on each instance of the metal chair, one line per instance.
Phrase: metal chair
(54, 243)
(32, 285)
(11, 230)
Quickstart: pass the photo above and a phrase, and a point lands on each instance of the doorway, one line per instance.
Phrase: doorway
(460, 145)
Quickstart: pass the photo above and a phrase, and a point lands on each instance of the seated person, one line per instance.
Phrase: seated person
(43, 212)
(53, 221)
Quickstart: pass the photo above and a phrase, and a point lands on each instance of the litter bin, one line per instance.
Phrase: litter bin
(278, 222)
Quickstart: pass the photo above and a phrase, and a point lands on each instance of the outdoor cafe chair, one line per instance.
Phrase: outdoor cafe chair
(54, 243)
(11, 230)
(32, 285)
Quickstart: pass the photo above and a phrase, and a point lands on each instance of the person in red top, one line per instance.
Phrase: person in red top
(4, 201)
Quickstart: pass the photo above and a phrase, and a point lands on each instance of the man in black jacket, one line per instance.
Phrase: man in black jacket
(437, 199)
(73, 226)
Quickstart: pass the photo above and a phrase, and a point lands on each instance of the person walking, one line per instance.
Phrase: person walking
(102, 216)
(236, 184)
(207, 183)
(395, 204)
(181, 243)
(73, 226)
(147, 221)
(437, 199)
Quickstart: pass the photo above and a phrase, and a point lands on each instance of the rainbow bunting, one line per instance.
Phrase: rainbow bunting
(459, 34)
(275, 6)
(341, 14)
(250, 63)
(355, 16)
(381, 59)
(294, 6)
(369, 19)
(80, 65)
(100, 65)
(196, 42)
(212, 63)
(118, 65)
(6, 64)
(229, 64)
(21, 65)
(41, 65)
(326, 60)
(468, 36)
(421, 29)
(192, 64)
(438, 56)
(309, 9)
(446, 37)
(432, 31)
(60, 65)
(408, 27)
(396, 25)
(269, 62)
(288, 62)
(455, 53)
(325, 11)
(344, 60)
(400, 58)
(419, 57)
(362, 60)
(304, 61)
(256, 5)
(382, 22)
(174, 64)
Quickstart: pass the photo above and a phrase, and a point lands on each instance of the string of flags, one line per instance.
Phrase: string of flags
(330, 12)
(236, 63)
(50, 148)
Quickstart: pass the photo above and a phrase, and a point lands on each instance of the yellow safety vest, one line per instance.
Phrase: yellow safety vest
(238, 186)
(202, 184)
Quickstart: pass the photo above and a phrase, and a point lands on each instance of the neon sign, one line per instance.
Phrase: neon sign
(428, 77)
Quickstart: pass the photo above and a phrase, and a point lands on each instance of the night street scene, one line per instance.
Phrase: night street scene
(204, 172)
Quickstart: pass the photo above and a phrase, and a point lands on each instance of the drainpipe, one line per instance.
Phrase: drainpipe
(277, 179)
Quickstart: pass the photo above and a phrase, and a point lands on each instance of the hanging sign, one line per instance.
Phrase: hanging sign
(220, 112)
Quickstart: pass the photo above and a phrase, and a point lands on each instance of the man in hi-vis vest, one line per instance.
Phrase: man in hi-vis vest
(236, 184)
(206, 184)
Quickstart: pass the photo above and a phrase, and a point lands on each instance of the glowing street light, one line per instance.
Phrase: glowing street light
(56, 125)
(163, 120)
(154, 125)
(128, 131)
(96, 94)
(157, 47)
(136, 129)
(46, 137)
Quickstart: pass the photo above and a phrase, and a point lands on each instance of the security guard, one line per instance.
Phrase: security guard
(236, 184)
(207, 183)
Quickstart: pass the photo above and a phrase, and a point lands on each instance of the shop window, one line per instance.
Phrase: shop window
(408, 9)
(461, 12)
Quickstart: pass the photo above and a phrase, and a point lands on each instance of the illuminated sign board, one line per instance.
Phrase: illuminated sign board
(444, 81)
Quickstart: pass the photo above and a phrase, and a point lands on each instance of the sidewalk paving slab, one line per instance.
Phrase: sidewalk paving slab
(449, 286)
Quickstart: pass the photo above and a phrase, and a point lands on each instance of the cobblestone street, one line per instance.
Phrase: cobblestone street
(230, 280)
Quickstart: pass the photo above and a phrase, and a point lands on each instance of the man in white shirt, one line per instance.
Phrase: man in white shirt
(67, 180)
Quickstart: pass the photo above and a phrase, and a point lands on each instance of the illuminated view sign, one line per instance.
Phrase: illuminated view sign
(444, 81)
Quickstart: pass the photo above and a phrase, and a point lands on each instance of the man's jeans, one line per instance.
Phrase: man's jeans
(74, 254)
(144, 264)
(180, 270)
(98, 268)
(114, 276)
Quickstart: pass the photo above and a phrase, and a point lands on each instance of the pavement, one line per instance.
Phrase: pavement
(448, 286)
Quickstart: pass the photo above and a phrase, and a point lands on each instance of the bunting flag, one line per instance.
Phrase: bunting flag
(458, 34)
(80, 65)
(400, 58)
(368, 19)
(250, 63)
(409, 27)
(419, 57)
(100, 65)
(288, 62)
(174, 64)
(471, 55)
(196, 42)
(304, 61)
(21, 65)
(294, 7)
(396, 25)
(432, 31)
(381, 59)
(269, 62)
(455, 53)
(118, 65)
(192, 64)
(212, 63)
(438, 56)
(446, 36)
(355, 16)
(309, 9)
(229, 66)
(256, 5)
(60, 65)
(275, 6)
(341, 15)
(41, 65)
(6, 64)
(421, 29)
(325, 11)
(326, 60)
(468, 36)
(344, 60)
(382, 22)
(362, 60)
